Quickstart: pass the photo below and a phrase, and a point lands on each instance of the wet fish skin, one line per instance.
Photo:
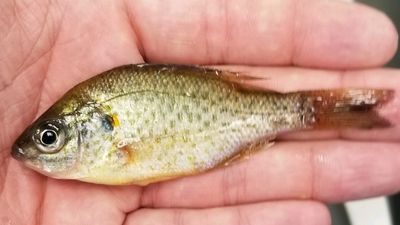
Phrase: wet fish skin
(139, 124)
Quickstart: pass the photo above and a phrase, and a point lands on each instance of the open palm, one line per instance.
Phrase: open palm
(46, 47)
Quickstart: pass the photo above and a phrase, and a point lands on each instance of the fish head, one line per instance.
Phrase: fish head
(50, 146)
(67, 144)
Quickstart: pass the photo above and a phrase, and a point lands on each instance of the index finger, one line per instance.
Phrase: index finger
(327, 34)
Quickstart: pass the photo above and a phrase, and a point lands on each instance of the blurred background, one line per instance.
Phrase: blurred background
(374, 211)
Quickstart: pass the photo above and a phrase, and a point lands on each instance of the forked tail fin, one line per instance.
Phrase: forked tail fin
(345, 108)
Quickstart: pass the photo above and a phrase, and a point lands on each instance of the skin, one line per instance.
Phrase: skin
(46, 48)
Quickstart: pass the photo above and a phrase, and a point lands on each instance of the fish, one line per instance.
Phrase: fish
(146, 123)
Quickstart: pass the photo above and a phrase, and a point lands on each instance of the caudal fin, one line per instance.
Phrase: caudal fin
(345, 108)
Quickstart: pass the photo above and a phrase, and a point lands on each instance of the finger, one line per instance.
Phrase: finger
(328, 171)
(276, 213)
(296, 79)
(21, 191)
(328, 34)
(70, 202)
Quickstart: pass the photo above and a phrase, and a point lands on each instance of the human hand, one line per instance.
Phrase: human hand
(47, 47)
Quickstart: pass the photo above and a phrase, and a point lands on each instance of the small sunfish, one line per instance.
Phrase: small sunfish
(139, 124)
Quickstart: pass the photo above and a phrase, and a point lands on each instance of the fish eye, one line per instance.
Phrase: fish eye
(50, 137)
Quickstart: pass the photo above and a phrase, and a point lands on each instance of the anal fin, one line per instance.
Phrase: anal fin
(246, 152)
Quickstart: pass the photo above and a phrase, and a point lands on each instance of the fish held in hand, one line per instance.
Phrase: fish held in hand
(139, 124)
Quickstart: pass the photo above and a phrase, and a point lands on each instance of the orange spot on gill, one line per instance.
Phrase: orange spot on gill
(128, 151)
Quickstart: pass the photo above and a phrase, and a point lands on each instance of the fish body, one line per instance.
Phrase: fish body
(139, 124)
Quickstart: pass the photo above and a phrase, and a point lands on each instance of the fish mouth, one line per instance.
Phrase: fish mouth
(22, 154)
(18, 153)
